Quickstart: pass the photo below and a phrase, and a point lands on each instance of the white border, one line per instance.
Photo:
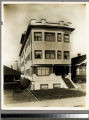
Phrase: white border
(3, 107)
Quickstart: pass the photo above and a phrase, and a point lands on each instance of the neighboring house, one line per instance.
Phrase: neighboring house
(45, 54)
(10, 75)
(78, 68)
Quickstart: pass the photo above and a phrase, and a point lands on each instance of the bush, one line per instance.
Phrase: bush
(24, 82)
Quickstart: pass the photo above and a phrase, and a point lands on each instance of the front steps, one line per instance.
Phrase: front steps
(69, 82)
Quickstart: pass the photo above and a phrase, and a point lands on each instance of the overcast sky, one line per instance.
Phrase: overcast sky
(17, 17)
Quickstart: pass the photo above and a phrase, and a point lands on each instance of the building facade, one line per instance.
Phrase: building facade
(45, 54)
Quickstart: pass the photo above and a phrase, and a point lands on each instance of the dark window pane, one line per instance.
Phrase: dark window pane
(49, 36)
(59, 37)
(37, 36)
(42, 71)
(38, 54)
(50, 54)
(66, 55)
(59, 54)
(66, 38)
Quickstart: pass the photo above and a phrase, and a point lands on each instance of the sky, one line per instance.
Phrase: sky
(17, 16)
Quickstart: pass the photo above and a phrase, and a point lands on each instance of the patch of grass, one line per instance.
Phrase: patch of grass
(57, 93)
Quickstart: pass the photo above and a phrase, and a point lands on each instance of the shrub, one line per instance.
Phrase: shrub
(24, 82)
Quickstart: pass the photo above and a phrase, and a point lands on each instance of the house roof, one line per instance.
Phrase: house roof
(78, 60)
(10, 71)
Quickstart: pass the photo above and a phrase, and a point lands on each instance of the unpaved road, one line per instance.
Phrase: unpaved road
(67, 102)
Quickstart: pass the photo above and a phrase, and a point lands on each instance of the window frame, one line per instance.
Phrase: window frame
(68, 39)
(41, 68)
(35, 54)
(49, 51)
(56, 87)
(43, 85)
(36, 37)
(68, 55)
(57, 54)
(51, 36)
(59, 37)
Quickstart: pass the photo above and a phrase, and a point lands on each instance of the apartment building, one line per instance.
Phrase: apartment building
(45, 54)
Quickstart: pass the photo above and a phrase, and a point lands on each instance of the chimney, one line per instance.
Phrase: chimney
(43, 21)
(32, 21)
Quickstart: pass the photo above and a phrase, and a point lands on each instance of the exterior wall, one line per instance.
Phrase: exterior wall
(45, 45)
(22, 58)
(26, 67)
(81, 70)
(50, 80)
(79, 73)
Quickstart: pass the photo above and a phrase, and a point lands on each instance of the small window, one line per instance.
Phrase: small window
(66, 37)
(59, 37)
(50, 37)
(66, 55)
(50, 54)
(43, 86)
(37, 36)
(38, 54)
(56, 85)
(59, 54)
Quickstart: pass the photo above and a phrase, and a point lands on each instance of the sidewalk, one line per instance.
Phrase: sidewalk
(67, 102)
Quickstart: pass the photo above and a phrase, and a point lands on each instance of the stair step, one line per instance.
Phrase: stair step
(68, 83)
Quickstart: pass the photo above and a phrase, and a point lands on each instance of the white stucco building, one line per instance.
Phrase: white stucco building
(45, 54)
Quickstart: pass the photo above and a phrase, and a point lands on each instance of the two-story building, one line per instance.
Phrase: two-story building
(45, 54)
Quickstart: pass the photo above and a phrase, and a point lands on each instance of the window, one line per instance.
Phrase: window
(27, 44)
(66, 37)
(66, 55)
(56, 85)
(43, 71)
(59, 37)
(50, 54)
(37, 36)
(29, 40)
(59, 54)
(27, 58)
(38, 54)
(50, 37)
(43, 86)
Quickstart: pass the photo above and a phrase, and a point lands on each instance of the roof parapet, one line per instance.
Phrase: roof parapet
(61, 22)
(64, 23)
(32, 21)
(46, 23)
(43, 21)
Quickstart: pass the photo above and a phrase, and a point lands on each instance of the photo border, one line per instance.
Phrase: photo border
(38, 111)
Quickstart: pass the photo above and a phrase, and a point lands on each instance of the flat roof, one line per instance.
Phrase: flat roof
(44, 24)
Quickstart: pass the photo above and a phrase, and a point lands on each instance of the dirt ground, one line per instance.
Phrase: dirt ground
(67, 102)
(9, 101)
